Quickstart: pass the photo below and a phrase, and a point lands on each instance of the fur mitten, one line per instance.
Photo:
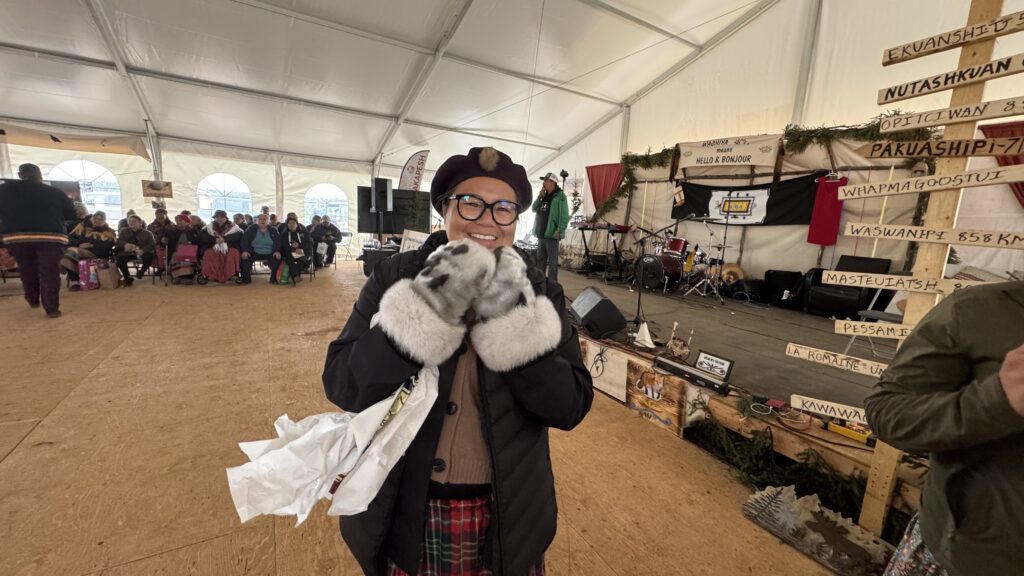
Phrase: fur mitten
(424, 316)
(517, 326)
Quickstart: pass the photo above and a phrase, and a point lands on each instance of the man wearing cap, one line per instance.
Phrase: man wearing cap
(552, 209)
(474, 493)
(32, 223)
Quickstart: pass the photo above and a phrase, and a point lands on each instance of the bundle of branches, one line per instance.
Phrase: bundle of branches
(799, 138)
(630, 162)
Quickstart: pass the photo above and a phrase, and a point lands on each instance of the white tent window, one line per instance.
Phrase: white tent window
(225, 192)
(99, 187)
(327, 199)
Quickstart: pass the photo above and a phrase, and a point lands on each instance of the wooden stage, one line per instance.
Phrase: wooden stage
(118, 420)
(754, 336)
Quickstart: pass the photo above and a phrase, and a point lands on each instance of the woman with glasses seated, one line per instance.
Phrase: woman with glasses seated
(474, 493)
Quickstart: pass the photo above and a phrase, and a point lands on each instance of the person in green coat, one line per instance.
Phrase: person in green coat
(552, 210)
(955, 390)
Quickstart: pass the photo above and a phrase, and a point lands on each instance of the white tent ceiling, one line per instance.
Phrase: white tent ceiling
(349, 79)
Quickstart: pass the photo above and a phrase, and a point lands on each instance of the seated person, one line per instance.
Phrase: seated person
(260, 243)
(159, 227)
(294, 247)
(248, 220)
(219, 242)
(284, 225)
(82, 216)
(95, 240)
(182, 234)
(123, 223)
(329, 234)
(239, 221)
(134, 243)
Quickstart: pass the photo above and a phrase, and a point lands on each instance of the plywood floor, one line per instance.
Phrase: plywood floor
(118, 419)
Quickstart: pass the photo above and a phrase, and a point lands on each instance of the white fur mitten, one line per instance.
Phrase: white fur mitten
(424, 316)
(517, 326)
(510, 286)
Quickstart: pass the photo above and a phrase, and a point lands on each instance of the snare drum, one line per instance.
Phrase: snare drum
(675, 246)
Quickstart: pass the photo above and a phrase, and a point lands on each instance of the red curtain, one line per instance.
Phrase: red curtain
(1007, 130)
(604, 179)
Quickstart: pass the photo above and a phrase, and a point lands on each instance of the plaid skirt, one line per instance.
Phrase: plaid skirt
(455, 533)
(912, 557)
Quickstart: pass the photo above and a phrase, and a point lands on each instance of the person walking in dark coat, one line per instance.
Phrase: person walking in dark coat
(474, 493)
(33, 220)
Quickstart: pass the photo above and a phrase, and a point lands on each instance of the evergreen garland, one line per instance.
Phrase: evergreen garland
(630, 162)
(799, 138)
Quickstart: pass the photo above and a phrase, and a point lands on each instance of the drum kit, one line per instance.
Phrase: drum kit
(672, 265)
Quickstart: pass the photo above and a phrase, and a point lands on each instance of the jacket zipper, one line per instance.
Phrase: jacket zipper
(489, 432)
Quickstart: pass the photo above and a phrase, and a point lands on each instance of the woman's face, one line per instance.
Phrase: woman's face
(81, 211)
(194, 220)
(99, 220)
(484, 230)
(293, 225)
(221, 220)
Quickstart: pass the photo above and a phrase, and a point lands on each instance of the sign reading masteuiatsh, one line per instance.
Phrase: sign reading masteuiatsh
(955, 79)
(982, 31)
(892, 282)
(986, 177)
(956, 115)
(989, 238)
(945, 148)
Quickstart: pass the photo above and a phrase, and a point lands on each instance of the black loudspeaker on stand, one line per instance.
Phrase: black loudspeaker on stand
(597, 314)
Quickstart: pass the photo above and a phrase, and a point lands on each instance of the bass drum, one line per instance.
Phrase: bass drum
(658, 272)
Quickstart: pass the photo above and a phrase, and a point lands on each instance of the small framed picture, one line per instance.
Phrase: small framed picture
(720, 367)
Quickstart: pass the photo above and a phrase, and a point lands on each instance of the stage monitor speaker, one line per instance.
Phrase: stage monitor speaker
(597, 314)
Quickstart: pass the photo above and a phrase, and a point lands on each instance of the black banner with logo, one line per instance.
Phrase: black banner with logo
(787, 202)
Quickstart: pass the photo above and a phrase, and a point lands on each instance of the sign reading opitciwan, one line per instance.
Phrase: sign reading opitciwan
(955, 115)
(955, 79)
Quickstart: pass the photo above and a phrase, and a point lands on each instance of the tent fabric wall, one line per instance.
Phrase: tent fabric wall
(298, 181)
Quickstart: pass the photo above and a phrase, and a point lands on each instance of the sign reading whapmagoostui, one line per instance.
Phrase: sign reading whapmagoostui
(944, 148)
(986, 177)
(989, 238)
(955, 79)
(955, 38)
(745, 150)
(955, 115)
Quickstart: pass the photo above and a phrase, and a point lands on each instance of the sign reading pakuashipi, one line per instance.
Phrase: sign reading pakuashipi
(990, 238)
(986, 177)
(944, 148)
(967, 113)
(955, 79)
(745, 150)
(982, 31)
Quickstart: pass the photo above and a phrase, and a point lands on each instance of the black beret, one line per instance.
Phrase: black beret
(480, 162)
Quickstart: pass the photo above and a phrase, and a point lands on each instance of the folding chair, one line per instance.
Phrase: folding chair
(346, 242)
(877, 316)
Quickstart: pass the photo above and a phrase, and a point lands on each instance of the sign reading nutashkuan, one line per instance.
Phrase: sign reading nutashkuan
(745, 150)
(955, 115)
(954, 38)
(955, 79)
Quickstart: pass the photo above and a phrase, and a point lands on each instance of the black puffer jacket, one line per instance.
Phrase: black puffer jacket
(364, 367)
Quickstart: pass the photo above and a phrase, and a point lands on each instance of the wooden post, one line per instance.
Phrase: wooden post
(931, 258)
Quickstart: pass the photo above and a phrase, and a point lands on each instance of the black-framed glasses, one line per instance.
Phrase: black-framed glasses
(472, 208)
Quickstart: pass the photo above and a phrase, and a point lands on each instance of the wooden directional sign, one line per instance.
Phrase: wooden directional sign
(945, 148)
(891, 282)
(853, 364)
(954, 38)
(955, 79)
(873, 329)
(825, 408)
(989, 238)
(955, 115)
(985, 177)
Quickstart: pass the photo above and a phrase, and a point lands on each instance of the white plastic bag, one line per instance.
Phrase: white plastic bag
(287, 475)
(321, 248)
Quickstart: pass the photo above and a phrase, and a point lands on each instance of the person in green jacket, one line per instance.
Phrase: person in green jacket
(955, 390)
(552, 209)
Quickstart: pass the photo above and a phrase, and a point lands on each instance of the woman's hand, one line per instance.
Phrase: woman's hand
(220, 240)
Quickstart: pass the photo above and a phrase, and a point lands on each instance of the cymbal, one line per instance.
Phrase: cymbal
(705, 219)
(720, 247)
